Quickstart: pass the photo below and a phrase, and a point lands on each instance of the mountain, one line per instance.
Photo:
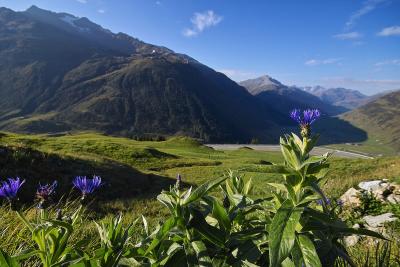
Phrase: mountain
(59, 73)
(284, 98)
(340, 97)
(379, 118)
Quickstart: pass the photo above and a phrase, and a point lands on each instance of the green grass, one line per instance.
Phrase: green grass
(136, 171)
(374, 146)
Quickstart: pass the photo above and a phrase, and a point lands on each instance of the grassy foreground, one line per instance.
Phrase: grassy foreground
(136, 171)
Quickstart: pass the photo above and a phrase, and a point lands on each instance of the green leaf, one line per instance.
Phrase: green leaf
(213, 234)
(161, 234)
(282, 232)
(307, 248)
(221, 215)
(202, 254)
(203, 189)
(7, 261)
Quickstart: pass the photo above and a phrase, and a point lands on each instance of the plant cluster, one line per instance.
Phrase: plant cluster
(297, 226)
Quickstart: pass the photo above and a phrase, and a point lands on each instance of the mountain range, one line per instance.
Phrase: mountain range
(59, 72)
(284, 98)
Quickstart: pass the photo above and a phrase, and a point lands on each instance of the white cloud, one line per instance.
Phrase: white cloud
(390, 31)
(367, 7)
(82, 1)
(395, 62)
(239, 75)
(316, 62)
(101, 11)
(189, 32)
(158, 3)
(202, 21)
(348, 36)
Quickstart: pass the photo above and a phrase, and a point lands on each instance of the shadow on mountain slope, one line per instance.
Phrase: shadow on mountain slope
(332, 130)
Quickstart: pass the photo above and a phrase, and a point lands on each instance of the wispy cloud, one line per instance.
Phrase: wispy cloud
(390, 31)
(395, 62)
(101, 11)
(158, 3)
(316, 62)
(82, 1)
(202, 21)
(348, 36)
(239, 75)
(367, 7)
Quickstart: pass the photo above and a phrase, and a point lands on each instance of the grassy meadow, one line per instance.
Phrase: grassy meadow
(134, 172)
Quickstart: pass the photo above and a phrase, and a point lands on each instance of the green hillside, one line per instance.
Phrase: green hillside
(380, 119)
(135, 169)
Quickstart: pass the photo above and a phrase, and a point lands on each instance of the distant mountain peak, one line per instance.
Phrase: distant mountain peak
(337, 96)
(261, 84)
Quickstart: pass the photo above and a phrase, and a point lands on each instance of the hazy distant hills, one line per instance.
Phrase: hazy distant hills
(60, 73)
(285, 98)
(340, 97)
(380, 118)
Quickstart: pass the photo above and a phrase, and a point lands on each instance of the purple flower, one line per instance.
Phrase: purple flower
(321, 201)
(305, 119)
(45, 191)
(340, 202)
(87, 186)
(9, 189)
(309, 116)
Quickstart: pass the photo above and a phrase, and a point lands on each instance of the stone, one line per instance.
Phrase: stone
(351, 198)
(373, 185)
(393, 199)
(379, 220)
(351, 240)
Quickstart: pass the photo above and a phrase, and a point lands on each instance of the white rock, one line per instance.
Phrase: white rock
(351, 197)
(373, 185)
(351, 240)
(379, 220)
(394, 199)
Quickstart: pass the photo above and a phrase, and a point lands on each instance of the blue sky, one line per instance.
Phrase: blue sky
(353, 44)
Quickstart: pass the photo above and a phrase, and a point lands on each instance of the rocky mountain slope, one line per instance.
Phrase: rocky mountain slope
(284, 98)
(59, 72)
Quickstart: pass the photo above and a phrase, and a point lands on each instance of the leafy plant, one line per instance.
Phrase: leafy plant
(297, 226)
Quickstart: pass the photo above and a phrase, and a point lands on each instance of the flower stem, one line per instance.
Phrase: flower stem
(24, 220)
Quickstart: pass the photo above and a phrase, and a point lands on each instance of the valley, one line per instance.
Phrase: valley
(119, 152)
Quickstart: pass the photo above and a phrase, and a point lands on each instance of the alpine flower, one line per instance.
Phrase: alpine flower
(305, 120)
(44, 192)
(85, 185)
(9, 189)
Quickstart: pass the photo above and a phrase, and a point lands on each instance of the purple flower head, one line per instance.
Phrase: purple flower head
(321, 201)
(45, 191)
(87, 186)
(9, 189)
(305, 119)
(340, 202)
(309, 116)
